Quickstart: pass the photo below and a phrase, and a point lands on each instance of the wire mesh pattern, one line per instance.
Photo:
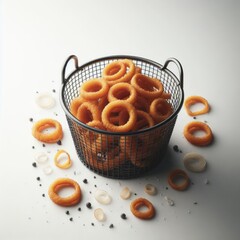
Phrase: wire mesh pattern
(120, 155)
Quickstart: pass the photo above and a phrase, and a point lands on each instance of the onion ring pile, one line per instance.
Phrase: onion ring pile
(121, 100)
(121, 80)
(137, 204)
(47, 137)
(173, 177)
(195, 126)
(193, 100)
(61, 183)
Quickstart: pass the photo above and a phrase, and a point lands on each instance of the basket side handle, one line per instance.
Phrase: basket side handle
(65, 66)
(180, 69)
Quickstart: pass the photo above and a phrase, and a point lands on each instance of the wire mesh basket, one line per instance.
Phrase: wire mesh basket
(121, 155)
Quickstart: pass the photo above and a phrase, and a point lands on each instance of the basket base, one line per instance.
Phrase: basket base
(128, 170)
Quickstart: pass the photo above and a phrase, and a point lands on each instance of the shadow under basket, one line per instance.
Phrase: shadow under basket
(121, 155)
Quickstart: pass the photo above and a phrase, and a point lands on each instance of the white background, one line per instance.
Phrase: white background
(36, 39)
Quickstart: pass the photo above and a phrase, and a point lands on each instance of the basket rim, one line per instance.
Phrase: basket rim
(115, 57)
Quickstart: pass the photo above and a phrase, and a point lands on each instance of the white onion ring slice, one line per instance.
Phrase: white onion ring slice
(99, 215)
(194, 162)
(41, 158)
(45, 100)
(125, 193)
(102, 197)
(150, 189)
(47, 170)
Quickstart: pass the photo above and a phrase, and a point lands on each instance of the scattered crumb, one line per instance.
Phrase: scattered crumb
(111, 226)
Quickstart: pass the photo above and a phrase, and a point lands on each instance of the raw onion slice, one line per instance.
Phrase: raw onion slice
(47, 170)
(150, 189)
(45, 100)
(99, 214)
(125, 193)
(102, 197)
(41, 157)
(194, 162)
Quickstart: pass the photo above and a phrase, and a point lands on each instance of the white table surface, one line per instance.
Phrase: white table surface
(36, 39)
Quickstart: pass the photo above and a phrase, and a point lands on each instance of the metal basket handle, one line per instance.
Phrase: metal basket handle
(65, 66)
(174, 60)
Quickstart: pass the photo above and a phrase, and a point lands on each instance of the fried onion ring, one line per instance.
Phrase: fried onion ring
(173, 179)
(160, 109)
(61, 183)
(137, 204)
(122, 91)
(141, 104)
(144, 120)
(88, 112)
(117, 77)
(138, 69)
(99, 142)
(119, 105)
(107, 160)
(75, 104)
(114, 70)
(138, 150)
(147, 87)
(94, 89)
(57, 159)
(193, 100)
(195, 126)
(51, 137)
(166, 95)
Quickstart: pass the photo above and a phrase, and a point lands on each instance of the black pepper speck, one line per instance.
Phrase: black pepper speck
(123, 216)
(175, 148)
(59, 142)
(92, 224)
(44, 145)
(111, 226)
(89, 205)
(85, 180)
(34, 164)
(67, 212)
(30, 119)
(71, 219)
(79, 209)
(38, 178)
(43, 195)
